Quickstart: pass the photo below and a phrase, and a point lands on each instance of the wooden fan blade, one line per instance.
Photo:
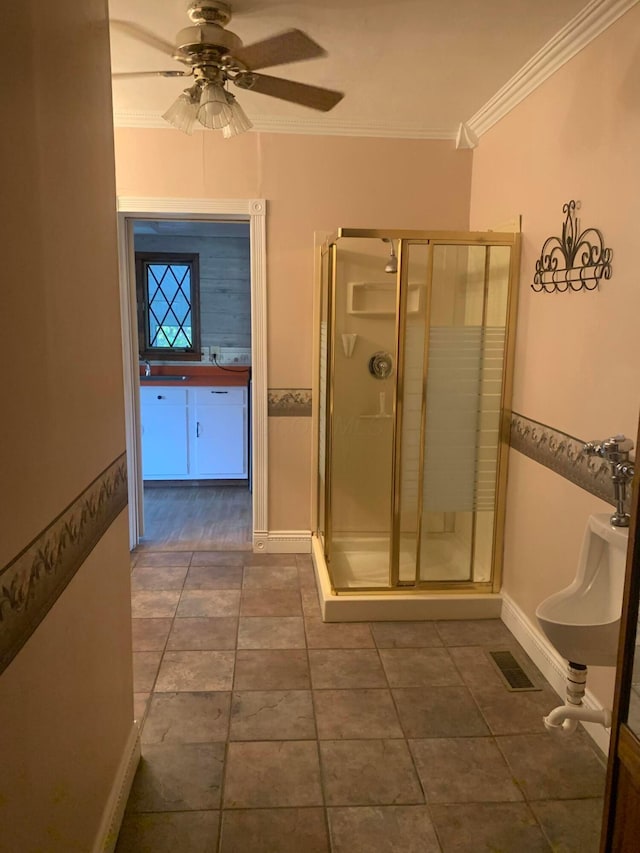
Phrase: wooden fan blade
(139, 33)
(123, 75)
(289, 46)
(297, 93)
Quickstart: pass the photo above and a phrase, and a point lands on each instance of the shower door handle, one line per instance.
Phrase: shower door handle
(197, 429)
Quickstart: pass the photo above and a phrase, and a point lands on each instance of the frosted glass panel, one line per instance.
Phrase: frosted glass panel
(463, 403)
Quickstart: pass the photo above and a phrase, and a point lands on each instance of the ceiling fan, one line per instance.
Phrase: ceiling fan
(214, 55)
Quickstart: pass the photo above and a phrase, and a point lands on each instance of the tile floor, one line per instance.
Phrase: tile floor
(268, 731)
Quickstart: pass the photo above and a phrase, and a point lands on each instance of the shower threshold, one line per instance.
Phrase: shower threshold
(398, 606)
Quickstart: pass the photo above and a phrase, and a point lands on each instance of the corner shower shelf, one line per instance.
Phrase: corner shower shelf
(371, 298)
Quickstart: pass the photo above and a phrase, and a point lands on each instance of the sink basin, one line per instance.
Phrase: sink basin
(156, 377)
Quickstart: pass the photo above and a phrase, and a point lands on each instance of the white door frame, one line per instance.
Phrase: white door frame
(253, 211)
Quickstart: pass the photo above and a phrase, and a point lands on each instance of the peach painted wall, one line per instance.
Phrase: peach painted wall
(576, 137)
(66, 699)
(311, 184)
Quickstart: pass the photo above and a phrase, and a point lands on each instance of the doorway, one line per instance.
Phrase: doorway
(158, 217)
(193, 306)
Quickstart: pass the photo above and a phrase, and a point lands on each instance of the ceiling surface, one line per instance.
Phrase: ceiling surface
(410, 67)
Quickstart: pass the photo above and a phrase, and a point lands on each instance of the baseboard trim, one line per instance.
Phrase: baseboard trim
(116, 802)
(549, 662)
(283, 542)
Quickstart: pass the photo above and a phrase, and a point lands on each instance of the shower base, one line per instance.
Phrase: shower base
(364, 562)
(394, 606)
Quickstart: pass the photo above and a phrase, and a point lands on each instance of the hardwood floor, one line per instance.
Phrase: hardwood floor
(197, 518)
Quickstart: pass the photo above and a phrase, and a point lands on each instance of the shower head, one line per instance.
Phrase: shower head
(392, 263)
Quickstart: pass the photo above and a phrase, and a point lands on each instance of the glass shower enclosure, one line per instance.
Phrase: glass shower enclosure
(415, 370)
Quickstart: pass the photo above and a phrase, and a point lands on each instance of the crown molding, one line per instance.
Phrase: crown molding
(587, 25)
(324, 126)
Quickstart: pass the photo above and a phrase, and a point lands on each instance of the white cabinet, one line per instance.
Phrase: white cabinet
(165, 448)
(194, 433)
(220, 435)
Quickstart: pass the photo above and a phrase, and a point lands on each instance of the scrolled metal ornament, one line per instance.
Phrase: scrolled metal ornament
(575, 260)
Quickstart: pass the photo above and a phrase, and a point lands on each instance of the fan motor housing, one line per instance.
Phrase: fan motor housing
(194, 39)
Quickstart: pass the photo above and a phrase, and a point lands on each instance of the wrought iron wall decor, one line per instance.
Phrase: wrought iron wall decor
(575, 261)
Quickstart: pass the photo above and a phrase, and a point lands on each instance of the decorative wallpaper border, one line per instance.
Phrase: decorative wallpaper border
(32, 582)
(289, 402)
(563, 454)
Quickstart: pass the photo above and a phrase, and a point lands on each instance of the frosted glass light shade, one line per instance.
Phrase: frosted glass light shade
(239, 120)
(183, 111)
(214, 111)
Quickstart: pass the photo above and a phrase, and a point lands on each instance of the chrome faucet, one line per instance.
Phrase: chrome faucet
(147, 368)
(615, 451)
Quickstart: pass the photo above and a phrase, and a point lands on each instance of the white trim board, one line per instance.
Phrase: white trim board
(113, 813)
(284, 542)
(253, 211)
(587, 25)
(550, 664)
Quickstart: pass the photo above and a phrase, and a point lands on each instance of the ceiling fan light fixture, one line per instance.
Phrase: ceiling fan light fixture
(239, 120)
(183, 111)
(214, 111)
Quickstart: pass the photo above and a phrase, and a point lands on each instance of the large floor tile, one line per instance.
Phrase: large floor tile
(193, 633)
(274, 830)
(265, 774)
(270, 602)
(271, 632)
(554, 768)
(510, 713)
(187, 718)
(271, 577)
(150, 635)
(169, 832)
(338, 635)
(218, 558)
(261, 559)
(310, 604)
(488, 828)
(272, 715)
(272, 669)
(368, 772)
(463, 770)
(140, 705)
(572, 826)
(162, 559)
(178, 777)
(214, 577)
(382, 829)
(438, 712)
(350, 714)
(349, 668)
(209, 602)
(195, 671)
(145, 669)
(402, 635)
(154, 603)
(419, 667)
(475, 632)
(167, 577)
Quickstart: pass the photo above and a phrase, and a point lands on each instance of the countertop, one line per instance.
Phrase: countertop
(198, 374)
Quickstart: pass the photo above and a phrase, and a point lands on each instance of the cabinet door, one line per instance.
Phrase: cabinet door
(220, 443)
(164, 441)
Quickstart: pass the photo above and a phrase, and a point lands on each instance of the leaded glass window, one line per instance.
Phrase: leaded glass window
(168, 305)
